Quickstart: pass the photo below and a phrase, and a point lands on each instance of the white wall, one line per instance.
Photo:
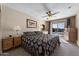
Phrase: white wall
(77, 25)
(12, 18)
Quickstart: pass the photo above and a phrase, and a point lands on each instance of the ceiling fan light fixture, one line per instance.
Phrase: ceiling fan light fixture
(49, 17)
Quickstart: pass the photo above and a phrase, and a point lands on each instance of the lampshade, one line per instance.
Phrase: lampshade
(41, 26)
(17, 28)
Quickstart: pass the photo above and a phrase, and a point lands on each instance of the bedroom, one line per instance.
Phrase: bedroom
(14, 22)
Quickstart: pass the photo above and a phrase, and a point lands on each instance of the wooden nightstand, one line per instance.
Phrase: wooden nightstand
(17, 41)
(10, 43)
(7, 43)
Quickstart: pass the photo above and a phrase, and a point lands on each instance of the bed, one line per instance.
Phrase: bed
(39, 44)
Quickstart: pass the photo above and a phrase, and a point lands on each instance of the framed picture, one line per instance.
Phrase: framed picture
(31, 23)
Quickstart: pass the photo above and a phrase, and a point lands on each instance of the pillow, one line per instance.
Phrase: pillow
(29, 33)
(38, 32)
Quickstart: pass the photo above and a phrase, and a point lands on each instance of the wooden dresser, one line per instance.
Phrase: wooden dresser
(71, 30)
(73, 35)
(10, 43)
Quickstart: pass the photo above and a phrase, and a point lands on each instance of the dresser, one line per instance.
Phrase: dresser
(9, 43)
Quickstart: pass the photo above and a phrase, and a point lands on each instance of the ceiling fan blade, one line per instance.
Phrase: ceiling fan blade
(44, 16)
(50, 14)
(55, 13)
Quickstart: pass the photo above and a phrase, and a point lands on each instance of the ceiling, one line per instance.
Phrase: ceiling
(38, 10)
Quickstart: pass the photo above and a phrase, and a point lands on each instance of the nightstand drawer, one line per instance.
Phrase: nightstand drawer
(17, 41)
(7, 43)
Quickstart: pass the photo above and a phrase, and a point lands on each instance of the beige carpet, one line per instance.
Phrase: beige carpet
(65, 49)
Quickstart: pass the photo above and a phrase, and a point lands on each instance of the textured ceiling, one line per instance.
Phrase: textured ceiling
(37, 10)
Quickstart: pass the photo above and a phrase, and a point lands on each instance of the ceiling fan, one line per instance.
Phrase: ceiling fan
(50, 14)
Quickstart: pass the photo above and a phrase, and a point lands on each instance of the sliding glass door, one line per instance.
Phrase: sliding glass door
(58, 27)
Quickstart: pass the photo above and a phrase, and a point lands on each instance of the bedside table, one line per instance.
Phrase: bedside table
(17, 41)
(7, 43)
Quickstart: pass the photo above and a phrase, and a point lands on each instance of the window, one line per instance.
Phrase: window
(58, 27)
(54, 25)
